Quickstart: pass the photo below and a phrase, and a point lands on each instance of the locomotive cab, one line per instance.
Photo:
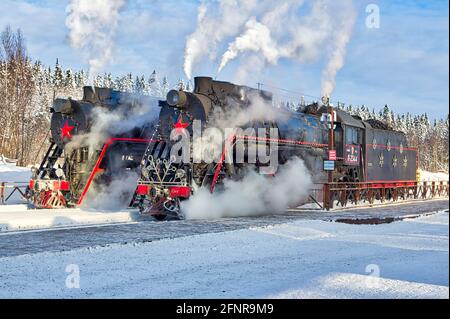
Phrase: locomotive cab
(349, 146)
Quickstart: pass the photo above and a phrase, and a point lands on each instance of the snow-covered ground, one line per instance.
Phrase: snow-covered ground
(301, 259)
(430, 176)
(18, 217)
(14, 216)
(13, 173)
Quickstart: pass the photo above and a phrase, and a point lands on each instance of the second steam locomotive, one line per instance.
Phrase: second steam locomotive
(366, 151)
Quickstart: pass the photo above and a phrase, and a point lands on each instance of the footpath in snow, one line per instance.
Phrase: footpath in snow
(301, 259)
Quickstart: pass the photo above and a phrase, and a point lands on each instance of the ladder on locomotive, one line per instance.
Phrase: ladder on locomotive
(80, 174)
(159, 150)
(47, 167)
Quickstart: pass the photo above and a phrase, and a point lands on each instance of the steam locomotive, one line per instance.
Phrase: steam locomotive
(73, 165)
(366, 151)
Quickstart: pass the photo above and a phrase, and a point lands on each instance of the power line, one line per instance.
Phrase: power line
(260, 85)
(315, 97)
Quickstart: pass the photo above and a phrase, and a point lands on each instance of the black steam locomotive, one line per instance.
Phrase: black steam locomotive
(366, 151)
(73, 164)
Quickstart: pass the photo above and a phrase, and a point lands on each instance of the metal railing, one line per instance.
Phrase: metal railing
(343, 194)
(19, 187)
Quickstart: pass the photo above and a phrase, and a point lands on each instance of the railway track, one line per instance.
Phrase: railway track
(147, 230)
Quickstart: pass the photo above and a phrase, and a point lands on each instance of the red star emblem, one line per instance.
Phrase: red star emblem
(66, 129)
(179, 125)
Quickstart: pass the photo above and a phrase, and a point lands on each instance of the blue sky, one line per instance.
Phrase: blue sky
(404, 63)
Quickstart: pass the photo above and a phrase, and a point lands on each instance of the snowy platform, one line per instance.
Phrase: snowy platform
(18, 217)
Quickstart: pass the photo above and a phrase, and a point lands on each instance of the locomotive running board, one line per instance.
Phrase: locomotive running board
(102, 155)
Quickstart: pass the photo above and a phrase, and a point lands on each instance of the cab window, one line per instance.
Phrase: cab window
(351, 135)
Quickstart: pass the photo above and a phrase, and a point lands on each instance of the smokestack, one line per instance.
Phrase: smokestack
(202, 84)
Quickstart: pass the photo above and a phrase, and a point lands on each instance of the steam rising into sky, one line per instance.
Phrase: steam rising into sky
(263, 32)
(92, 25)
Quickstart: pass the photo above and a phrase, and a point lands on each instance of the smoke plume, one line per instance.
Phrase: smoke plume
(214, 24)
(256, 38)
(255, 194)
(300, 30)
(337, 55)
(92, 25)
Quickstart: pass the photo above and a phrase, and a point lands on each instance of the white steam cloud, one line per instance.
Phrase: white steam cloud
(114, 196)
(107, 123)
(256, 38)
(337, 55)
(214, 24)
(255, 194)
(92, 25)
(227, 120)
(117, 193)
(300, 30)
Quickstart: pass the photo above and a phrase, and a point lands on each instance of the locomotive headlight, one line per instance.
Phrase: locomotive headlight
(59, 172)
(176, 98)
(326, 100)
(34, 171)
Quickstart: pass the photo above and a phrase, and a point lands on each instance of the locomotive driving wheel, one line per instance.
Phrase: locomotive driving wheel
(163, 209)
(50, 199)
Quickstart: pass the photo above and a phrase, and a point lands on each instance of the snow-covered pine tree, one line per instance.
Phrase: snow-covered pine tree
(139, 85)
(58, 77)
(108, 81)
(386, 116)
(165, 86)
(180, 84)
(154, 85)
(69, 81)
(98, 81)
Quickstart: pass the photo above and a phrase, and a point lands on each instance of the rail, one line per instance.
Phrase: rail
(327, 195)
(344, 194)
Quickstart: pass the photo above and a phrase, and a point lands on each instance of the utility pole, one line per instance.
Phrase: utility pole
(329, 119)
(331, 139)
(326, 101)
